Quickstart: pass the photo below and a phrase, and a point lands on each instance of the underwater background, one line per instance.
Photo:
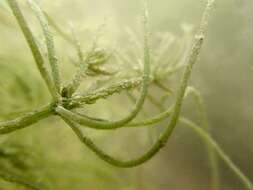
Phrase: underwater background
(48, 153)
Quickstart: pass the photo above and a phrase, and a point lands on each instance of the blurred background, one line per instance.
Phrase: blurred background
(50, 154)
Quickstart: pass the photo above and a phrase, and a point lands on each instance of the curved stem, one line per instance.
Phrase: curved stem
(104, 93)
(97, 123)
(215, 182)
(49, 42)
(33, 46)
(145, 83)
(197, 44)
(148, 155)
(208, 139)
(214, 166)
(26, 120)
(204, 123)
(153, 120)
(162, 140)
(107, 158)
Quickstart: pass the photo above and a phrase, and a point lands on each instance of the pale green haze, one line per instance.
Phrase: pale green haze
(126, 95)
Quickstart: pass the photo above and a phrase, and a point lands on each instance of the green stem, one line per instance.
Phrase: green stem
(91, 98)
(104, 156)
(83, 66)
(194, 54)
(153, 120)
(162, 140)
(135, 162)
(26, 120)
(215, 182)
(49, 42)
(208, 139)
(33, 46)
(204, 122)
(139, 104)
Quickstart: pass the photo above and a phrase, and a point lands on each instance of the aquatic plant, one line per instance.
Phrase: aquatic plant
(66, 100)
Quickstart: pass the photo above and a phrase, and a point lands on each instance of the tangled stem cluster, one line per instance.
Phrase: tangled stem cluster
(65, 100)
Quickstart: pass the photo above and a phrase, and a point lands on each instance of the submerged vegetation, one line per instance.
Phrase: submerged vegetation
(103, 73)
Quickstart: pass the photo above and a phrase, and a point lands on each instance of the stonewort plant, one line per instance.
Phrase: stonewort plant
(153, 68)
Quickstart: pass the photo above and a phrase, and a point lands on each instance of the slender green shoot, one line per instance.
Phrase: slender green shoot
(33, 46)
(65, 99)
(208, 139)
(26, 120)
(215, 183)
(49, 42)
(145, 83)
(162, 140)
(83, 67)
